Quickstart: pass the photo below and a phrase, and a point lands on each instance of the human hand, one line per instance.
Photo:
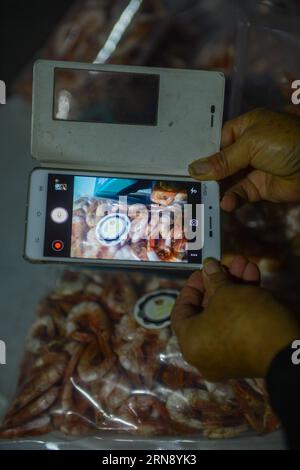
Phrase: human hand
(266, 141)
(229, 328)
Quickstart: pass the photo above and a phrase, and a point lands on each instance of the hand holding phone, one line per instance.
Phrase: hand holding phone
(121, 220)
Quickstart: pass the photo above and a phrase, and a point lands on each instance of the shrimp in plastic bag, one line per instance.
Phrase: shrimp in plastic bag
(93, 363)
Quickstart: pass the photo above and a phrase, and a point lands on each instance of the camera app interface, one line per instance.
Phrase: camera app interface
(123, 219)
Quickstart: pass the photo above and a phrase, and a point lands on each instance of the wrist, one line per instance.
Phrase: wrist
(275, 346)
(279, 327)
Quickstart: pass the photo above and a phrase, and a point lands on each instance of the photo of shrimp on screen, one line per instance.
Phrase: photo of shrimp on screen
(131, 219)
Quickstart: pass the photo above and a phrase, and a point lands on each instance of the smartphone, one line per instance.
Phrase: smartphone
(121, 220)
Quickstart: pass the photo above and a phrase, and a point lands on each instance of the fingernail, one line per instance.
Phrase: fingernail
(211, 266)
(200, 167)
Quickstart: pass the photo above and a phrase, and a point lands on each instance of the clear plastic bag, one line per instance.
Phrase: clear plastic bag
(267, 44)
(101, 358)
(115, 31)
(159, 33)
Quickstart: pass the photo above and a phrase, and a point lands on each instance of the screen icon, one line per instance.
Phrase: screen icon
(194, 191)
(194, 223)
(60, 186)
(59, 215)
(57, 245)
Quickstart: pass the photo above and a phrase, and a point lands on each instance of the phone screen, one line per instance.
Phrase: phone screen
(94, 217)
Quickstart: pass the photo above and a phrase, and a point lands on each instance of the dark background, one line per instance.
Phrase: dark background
(24, 28)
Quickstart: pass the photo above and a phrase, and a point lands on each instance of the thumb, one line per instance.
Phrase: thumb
(214, 276)
(228, 161)
(253, 188)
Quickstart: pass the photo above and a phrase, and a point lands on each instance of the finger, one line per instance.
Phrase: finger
(236, 127)
(230, 202)
(196, 281)
(251, 273)
(214, 276)
(231, 131)
(249, 189)
(188, 303)
(235, 153)
(237, 266)
(244, 270)
(228, 161)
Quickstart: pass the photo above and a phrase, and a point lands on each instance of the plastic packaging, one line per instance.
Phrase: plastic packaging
(162, 33)
(101, 357)
(267, 43)
(100, 31)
